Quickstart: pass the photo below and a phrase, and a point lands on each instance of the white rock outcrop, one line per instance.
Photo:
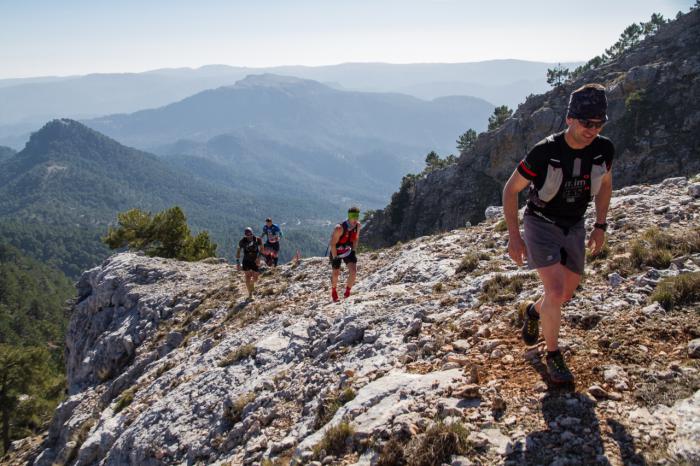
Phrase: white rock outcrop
(169, 364)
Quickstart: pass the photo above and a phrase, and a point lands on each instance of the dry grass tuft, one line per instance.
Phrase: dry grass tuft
(234, 412)
(330, 404)
(502, 288)
(335, 441)
(392, 454)
(655, 248)
(242, 352)
(501, 226)
(676, 291)
(469, 263)
(437, 445)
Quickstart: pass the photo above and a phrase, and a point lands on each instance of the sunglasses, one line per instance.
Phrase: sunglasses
(590, 124)
(247, 233)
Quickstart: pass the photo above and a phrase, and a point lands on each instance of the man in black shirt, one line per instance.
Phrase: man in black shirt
(251, 247)
(565, 172)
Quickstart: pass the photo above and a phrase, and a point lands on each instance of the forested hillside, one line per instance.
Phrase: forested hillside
(33, 319)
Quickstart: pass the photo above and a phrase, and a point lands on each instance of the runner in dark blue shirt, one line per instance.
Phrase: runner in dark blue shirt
(273, 234)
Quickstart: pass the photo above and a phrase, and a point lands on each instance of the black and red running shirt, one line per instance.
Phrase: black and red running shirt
(569, 204)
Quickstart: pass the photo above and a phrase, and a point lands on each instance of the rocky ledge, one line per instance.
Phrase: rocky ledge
(168, 364)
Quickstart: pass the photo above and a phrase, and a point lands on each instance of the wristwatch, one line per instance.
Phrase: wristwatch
(602, 226)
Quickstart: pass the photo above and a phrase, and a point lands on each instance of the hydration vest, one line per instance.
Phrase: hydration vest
(346, 240)
(252, 248)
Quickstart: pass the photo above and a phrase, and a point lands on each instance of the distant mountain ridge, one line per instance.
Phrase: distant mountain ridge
(294, 110)
(654, 111)
(33, 100)
(291, 131)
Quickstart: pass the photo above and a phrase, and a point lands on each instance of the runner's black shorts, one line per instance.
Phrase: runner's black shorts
(548, 244)
(249, 266)
(350, 259)
(274, 246)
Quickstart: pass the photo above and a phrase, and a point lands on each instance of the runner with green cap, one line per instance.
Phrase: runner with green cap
(346, 237)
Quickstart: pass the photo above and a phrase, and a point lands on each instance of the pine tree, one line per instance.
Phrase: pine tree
(557, 76)
(164, 235)
(22, 378)
(432, 161)
(466, 141)
(500, 115)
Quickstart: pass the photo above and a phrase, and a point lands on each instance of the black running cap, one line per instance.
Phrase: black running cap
(588, 103)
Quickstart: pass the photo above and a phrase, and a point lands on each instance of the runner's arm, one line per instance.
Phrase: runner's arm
(515, 184)
(602, 203)
(337, 232)
(357, 239)
(516, 245)
(602, 199)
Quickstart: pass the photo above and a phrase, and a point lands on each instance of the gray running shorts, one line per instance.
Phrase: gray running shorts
(548, 244)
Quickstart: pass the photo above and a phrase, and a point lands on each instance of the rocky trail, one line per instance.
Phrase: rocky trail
(423, 364)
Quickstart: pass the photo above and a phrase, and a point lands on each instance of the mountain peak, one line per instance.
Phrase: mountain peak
(62, 129)
(277, 81)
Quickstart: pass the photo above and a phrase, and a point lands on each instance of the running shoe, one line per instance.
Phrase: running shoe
(531, 325)
(557, 370)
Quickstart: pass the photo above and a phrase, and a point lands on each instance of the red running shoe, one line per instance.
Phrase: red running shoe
(334, 295)
(347, 292)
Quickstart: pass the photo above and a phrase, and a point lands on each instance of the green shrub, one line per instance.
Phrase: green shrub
(676, 291)
(126, 398)
(166, 234)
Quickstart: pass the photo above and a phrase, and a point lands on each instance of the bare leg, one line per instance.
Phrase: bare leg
(250, 279)
(352, 273)
(559, 286)
(334, 278)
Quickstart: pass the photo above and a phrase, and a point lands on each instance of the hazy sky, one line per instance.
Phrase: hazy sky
(50, 37)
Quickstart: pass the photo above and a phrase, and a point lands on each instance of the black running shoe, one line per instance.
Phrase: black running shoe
(557, 370)
(531, 325)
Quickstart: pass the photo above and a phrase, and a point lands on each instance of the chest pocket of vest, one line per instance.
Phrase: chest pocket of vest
(552, 182)
(598, 170)
(251, 248)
